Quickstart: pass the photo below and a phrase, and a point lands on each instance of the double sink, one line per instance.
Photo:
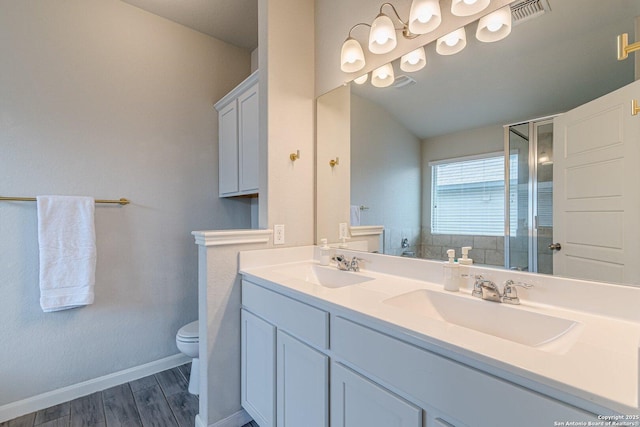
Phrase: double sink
(516, 324)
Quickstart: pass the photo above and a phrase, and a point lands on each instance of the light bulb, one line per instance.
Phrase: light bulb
(381, 37)
(425, 17)
(494, 26)
(451, 40)
(470, 2)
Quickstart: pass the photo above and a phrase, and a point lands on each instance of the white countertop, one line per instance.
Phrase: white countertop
(600, 367)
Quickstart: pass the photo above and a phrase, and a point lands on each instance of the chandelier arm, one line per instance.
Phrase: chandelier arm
(358, 24)
(405, 25)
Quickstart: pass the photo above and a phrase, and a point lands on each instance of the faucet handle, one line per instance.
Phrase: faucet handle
(509, 293)
(477, 285)
(510, 283)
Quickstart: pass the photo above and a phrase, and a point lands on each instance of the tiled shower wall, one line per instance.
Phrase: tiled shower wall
(488, 250)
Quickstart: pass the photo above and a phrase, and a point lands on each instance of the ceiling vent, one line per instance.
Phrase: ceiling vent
(525, 10)
(402, 81)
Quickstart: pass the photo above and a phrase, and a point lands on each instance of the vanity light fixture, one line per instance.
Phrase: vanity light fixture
(425, 16)
(452, 43)
(383, 76)
(413, 61)
(624, 48)
(468, 7)
(494, 26)
(362, 79)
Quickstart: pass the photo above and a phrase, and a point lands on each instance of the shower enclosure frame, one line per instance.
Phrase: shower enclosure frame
(532, 191)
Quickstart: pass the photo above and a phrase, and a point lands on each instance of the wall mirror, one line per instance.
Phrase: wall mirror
(390, 140)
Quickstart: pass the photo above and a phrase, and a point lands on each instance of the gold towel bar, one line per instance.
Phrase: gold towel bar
(122, 201)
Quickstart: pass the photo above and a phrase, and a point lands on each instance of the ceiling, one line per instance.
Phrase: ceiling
(547, 65)
(232, 21)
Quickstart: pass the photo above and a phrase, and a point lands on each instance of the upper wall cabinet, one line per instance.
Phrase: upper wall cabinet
(238, 139)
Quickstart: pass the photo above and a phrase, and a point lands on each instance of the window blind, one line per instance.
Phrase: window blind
(468, 196)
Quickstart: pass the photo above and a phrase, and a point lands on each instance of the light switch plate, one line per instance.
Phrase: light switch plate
(278, 234)
(343, 231)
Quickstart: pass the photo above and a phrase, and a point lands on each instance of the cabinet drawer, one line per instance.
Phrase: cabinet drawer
(308, 323)
(470, 396)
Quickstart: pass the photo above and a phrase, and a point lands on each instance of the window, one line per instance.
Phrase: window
(467, 195)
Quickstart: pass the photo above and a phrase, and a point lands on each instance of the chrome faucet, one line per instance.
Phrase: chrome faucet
(488, 290)
(485, 289)
(345, 264)
(509, 293)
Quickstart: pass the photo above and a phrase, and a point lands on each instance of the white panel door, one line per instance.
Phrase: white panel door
(258, 371)
(302, 384)
(596, 202)
(357, 401)
(248, 139)
(228, 149)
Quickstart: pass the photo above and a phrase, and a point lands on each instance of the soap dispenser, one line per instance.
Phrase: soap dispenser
(465, 260)
(325, 253)
(451, 273)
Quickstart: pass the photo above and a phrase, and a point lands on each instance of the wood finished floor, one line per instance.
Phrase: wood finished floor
(159, 400)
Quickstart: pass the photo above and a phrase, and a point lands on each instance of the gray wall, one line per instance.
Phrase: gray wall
(385, 174)
(103, 99)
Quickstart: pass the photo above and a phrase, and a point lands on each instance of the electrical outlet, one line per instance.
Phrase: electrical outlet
(278, 234)
(343, 231)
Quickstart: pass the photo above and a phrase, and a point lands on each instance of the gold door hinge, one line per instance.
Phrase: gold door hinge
(635, 109)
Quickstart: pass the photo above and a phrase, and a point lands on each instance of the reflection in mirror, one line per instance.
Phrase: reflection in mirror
(458, 111)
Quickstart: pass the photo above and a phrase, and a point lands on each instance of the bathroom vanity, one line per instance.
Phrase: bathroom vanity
(387, 346)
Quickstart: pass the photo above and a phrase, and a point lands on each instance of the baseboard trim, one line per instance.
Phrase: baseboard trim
(238, 419)
(35, 403)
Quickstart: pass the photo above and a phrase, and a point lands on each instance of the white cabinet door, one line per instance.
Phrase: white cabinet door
(228, 150)
(302, 384)
(258, 356)
(357, 402)
(238, 135)
(248, 139)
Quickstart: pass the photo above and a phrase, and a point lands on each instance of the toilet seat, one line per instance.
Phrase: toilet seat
(189, 333)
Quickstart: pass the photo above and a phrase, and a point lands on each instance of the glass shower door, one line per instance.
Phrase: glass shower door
(544, 196)
(529, 229)
(518, 225)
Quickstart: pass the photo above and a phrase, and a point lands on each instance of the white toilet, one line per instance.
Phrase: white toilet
(188, 340)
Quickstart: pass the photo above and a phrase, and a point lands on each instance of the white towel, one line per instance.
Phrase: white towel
(355, 215)
(67, 240)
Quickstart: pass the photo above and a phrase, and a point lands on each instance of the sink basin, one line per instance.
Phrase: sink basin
(329, 277)
(500, 320)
